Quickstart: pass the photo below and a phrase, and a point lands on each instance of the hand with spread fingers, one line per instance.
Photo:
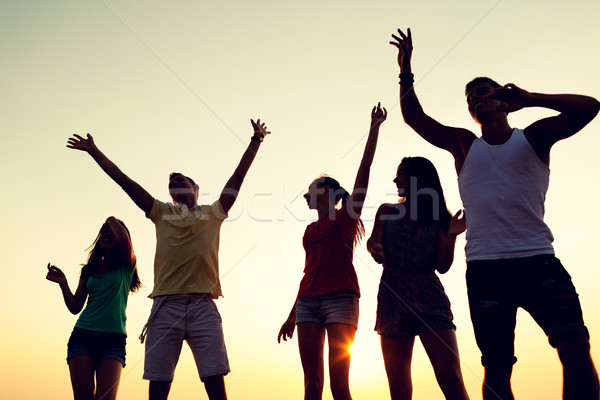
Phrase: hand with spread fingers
(404, 44)
(260, 128)
(80, 143)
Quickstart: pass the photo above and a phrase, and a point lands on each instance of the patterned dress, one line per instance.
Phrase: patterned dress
(411, 298)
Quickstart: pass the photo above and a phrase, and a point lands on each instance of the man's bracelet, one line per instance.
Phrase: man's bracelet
(257, 138)
(406, 79)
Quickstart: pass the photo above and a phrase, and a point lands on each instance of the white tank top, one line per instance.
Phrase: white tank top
(503, 189)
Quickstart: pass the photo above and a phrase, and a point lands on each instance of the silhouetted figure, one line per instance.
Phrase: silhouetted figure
(96, 348)
(412, 240)
(503, 178)
(186, 271)
(327, 300)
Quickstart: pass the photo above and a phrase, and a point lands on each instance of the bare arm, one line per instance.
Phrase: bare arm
(137, 193)
(287, 329)
(454, 140)
(123, 240)
(359, 193)
(233, 185)
(447, 242)
(74, 302)
(374, 247)
(576, 111)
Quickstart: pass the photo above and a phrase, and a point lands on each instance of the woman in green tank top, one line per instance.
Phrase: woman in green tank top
(97, 345)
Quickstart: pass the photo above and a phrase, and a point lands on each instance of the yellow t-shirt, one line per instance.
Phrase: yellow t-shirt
(187, 246)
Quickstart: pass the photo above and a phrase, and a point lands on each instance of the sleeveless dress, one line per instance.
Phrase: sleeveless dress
(411, 298)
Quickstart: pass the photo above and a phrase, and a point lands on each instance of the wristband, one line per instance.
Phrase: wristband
(257, 138)
(406, 79)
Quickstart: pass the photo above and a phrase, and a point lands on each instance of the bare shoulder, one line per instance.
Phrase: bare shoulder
(464, 138)
(387, 209)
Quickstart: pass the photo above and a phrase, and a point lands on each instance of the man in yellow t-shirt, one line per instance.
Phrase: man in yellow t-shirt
(186, 271)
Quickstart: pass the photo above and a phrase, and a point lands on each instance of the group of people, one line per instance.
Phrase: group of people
(503, 177)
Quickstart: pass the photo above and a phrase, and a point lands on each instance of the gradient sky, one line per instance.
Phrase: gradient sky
(171, 86)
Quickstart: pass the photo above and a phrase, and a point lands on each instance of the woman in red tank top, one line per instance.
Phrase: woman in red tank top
(327, 301)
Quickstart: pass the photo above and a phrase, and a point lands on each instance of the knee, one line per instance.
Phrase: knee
(574, 350)
(313, 382)
(338, 382)
(451, 380)
(340, 390)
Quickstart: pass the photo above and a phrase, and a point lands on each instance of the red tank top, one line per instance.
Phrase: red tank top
(329, 246)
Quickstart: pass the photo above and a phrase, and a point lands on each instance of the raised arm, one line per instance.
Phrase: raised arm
(137, 193)
(576, 111)
(447, 242)
(233, 185)
(359, 193)
(454, 140)
(123, 240)
(74, 302)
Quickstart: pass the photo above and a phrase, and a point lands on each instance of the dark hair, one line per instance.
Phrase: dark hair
(176, 174)
(480, 79)
(430, 207)
(96, 256)
(339, 193)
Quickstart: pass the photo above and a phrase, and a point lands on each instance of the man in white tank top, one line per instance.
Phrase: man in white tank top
(503, 178)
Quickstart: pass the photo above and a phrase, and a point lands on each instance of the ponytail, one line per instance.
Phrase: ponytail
(339, 193)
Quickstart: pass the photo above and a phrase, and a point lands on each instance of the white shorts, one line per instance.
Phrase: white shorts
(193, 318)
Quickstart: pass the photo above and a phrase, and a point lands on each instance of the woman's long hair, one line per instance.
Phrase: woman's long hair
(339, 193)
(426, 189)
(96, 257)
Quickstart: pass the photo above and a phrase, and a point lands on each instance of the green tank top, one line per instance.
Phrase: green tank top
(107, 301)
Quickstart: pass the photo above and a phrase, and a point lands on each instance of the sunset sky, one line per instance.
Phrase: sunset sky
(172, 86)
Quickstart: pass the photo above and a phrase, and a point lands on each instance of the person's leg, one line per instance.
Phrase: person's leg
(204, 335)
(442, 349)
(496, 383)
(215, 387)
(490, 286)
(397, 357)
(311, 339)
(340, 337)
(553, 303)
(579, 373)
(82, 377)
(108, 376)
(159, 390)
(163, 345)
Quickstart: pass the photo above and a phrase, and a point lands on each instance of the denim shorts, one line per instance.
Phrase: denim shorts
(99, 346)
(337, 307)
(539, 284)
(193, 318)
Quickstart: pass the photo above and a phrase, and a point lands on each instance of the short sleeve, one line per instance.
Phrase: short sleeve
(218, 211)
(154, 213)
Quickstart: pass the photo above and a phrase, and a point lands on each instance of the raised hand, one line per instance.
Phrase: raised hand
(378, 115)
(458, 224)
(79, 143)
(512, 97)
(260, 128)
(55, 274)
(287, 330)
(404, 44)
